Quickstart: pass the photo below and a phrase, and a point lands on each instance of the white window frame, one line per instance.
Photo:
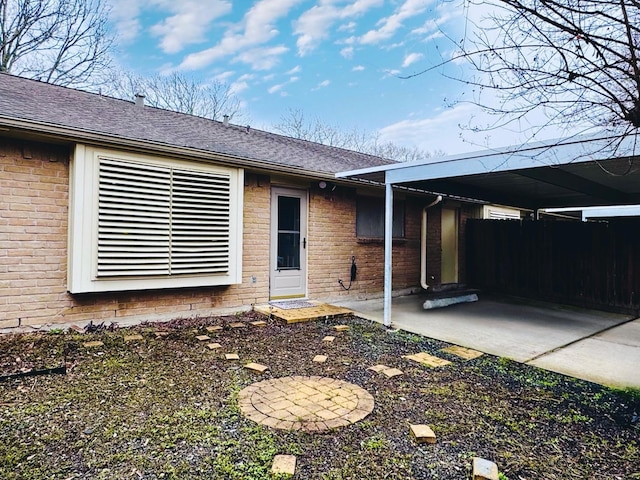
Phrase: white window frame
(493, 212)
(82, 271)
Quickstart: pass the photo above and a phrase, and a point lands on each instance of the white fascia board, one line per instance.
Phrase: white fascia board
(545, 153)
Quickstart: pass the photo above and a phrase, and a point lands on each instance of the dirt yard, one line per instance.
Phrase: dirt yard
(166, 407)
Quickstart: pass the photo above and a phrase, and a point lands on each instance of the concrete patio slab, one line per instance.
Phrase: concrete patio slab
(553, 337)
(611, 357)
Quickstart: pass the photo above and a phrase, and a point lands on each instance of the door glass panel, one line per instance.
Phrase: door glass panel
(288, 233)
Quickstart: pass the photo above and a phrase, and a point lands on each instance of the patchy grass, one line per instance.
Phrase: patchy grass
(166, 408)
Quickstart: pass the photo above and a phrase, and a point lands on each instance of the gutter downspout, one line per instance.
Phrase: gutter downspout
(423, 244)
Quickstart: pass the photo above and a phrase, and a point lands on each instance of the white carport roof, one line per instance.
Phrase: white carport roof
(582, 171)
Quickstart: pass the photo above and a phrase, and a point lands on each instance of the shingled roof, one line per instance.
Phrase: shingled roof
(82, 116)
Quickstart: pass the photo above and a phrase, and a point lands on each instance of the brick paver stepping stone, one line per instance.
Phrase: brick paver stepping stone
(259, 323)
(378, 368)
(484, 469)
(203, 338)
(462, 352)
(213, 328)
(95, 343)
(341, 328)
(320, 358)
(284, 464)
(328, 339)
(423, 434)
(132, 338)
(312, 404)
(238, 325)
(388, 371)
(256, 367)
(231, 356)
(213, 346)
(426, 359)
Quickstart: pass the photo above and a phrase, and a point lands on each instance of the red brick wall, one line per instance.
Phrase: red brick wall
(34, 180)
(33, 231)
(333, 241)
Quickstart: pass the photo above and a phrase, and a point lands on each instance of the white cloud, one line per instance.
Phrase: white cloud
(322, 84)
(124, 15)
(347, 27)
(357, 68)
(224, 76)
(411, 59)
(188, 23)
(279, 87)
(296, 69)
(315, 24)
(390, 25)
(237, 87)
(466, 127)
(262, 58)
(347, 52)
(439, 132)
(434, 24)
(256, 28)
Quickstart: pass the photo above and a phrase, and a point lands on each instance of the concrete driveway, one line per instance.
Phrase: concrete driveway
(591, 345)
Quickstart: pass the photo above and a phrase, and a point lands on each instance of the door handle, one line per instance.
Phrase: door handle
(304, 243)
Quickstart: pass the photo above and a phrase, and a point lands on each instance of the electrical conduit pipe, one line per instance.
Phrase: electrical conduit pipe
(423, 243)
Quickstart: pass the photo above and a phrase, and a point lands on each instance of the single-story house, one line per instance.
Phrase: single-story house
(115, 210)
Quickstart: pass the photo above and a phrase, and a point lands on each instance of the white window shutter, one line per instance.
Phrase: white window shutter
(133, 219)
(141, 222)
(200, 214)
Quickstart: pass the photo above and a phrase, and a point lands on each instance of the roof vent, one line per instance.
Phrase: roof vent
(225, 120)
(139, 100)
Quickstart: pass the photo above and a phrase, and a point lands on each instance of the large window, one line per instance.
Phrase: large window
(370, 217)
(144, 222)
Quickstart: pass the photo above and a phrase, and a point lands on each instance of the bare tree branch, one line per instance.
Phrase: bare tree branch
(577, 60)
(65, 42)
(180, 93)
(294, 124)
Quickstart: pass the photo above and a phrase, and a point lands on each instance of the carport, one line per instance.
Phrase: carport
(579, 172)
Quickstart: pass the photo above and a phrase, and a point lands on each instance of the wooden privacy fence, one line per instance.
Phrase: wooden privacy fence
(595, 265)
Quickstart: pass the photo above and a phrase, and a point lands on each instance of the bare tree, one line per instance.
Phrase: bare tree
(296, 125)
(401, 153)
(179, 93)
(65, 42)
(576, 60)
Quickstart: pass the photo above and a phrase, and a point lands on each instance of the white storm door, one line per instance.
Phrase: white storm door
(288, 243)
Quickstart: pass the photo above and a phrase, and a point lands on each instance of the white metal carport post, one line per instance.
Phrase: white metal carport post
(388, 245)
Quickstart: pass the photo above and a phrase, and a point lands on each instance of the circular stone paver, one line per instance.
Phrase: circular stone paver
(312, 404)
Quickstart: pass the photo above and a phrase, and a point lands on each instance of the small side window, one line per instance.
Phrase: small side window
(370, 217)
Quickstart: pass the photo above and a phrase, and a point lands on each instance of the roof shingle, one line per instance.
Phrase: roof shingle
(82, 113)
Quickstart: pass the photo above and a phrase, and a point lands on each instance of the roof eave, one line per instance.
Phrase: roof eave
(58, 132)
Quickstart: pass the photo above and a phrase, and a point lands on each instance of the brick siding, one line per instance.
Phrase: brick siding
(34, 179)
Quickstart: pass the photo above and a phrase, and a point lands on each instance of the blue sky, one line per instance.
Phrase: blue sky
(335, 60)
